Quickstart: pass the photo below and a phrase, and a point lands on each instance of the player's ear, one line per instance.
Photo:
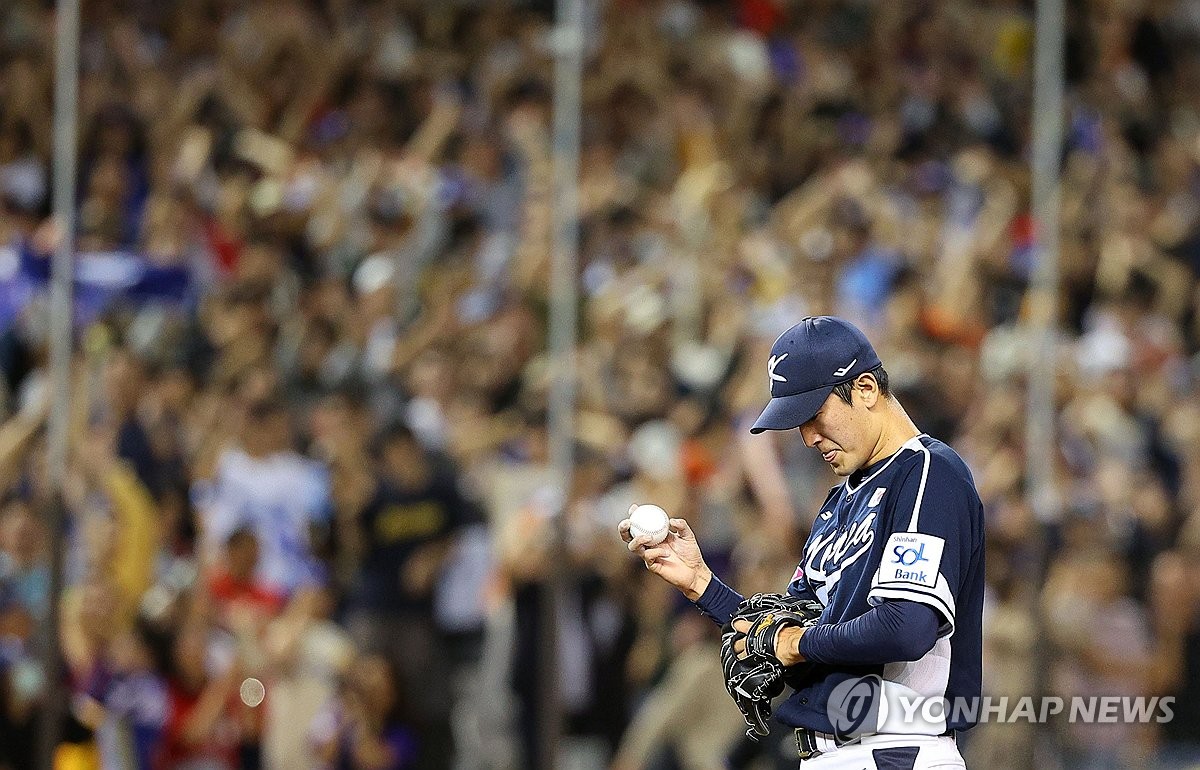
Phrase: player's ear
(868, 389)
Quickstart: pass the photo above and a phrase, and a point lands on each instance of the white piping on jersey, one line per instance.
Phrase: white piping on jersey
(940, 599)
(906, 445)
(912, 523)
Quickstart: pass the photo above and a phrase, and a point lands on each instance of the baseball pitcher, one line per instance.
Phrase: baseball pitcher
(879, 632)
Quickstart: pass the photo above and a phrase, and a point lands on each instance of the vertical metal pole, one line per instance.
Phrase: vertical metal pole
(66, 101)
(563, 267)
(1043, 309)
(568, 76)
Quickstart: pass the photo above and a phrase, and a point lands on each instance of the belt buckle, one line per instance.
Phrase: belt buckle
(806, 744)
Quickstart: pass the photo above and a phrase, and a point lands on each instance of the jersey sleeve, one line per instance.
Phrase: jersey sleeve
(719, 601)
(931, 536)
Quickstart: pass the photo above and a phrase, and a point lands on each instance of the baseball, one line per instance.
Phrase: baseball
(649, 520)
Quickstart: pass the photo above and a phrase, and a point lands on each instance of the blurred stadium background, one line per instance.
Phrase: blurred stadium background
(308, 435)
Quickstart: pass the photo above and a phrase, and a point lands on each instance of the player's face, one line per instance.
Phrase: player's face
(841, 432)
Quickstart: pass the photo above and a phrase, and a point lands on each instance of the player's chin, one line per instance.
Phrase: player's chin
(839, 468)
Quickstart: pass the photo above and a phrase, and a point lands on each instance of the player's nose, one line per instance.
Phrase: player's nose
(810, 435)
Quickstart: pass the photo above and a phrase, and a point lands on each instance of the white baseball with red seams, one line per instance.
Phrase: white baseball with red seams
(649, 520)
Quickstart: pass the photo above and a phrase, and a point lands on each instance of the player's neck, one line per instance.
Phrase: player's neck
(898, 429)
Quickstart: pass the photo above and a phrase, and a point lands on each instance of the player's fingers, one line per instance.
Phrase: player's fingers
(681, 528)
(657, 553)
(636, 543)
(632, 508)
(739, 647)
(741, 626)
(623, 530)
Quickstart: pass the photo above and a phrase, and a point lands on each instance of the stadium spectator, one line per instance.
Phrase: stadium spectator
(406, 529)
(238, 599)
(263, 484)
(366, 727)
(308, 655)
(202, 725)
(24, 573)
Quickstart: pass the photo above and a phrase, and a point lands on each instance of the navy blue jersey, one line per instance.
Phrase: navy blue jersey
(907, 528)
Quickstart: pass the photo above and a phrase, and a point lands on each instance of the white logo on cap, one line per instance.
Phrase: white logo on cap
(842, 372)
(773, 362)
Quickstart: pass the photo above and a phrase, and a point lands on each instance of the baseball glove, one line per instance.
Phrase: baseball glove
(756, 679)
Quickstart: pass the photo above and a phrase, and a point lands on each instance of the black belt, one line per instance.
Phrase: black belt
(809, 742)
(808, 747)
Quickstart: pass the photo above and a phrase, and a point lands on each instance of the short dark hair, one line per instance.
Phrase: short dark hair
(243, 534)
(396, 431)
(266, 407)
(844, 389)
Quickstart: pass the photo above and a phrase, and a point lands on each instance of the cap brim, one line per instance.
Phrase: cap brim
(788, 412)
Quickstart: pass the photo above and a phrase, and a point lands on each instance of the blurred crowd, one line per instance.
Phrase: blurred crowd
(309, 444)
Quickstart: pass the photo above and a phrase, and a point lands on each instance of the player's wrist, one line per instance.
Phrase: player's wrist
(787, 645)
(699, 585)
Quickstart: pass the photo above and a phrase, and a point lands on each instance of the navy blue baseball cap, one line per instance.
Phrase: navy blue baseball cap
(806, 363)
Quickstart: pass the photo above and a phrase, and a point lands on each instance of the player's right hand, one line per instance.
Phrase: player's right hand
(677, 559)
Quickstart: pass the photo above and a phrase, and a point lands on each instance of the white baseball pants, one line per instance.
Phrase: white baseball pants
(890, 752)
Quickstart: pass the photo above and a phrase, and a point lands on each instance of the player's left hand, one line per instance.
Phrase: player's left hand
(786, 643)
(755, 672)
